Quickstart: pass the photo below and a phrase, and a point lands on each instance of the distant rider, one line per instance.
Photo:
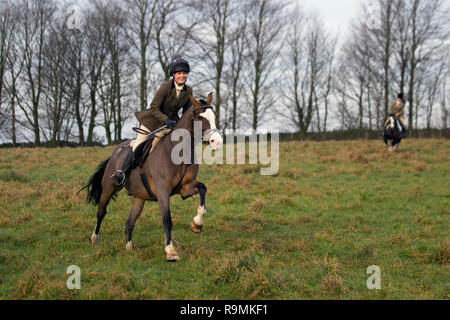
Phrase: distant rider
(397, 110)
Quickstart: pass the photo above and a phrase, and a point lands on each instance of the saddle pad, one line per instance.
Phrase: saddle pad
(159, 136)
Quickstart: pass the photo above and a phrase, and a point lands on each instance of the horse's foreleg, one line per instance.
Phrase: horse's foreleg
(189, 190)
(197, 222)
(136, 208)
(164, 207)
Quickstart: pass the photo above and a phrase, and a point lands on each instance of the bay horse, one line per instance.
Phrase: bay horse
(158, 177)
(392, 133)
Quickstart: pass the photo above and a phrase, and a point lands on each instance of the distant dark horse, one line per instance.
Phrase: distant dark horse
(158, 178)
(392, 133)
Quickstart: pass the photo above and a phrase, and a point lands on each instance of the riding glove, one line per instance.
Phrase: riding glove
(170, 123)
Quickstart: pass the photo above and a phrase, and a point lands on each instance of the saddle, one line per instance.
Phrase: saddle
(144, 149)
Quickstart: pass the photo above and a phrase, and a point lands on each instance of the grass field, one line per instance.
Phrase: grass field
(309, 232)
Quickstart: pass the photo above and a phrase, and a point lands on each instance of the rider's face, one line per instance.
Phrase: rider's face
(180, 77)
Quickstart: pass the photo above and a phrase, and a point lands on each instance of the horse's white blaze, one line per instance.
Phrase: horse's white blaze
(391, 121)
(209, 115)
(215, 140)
(198, 219)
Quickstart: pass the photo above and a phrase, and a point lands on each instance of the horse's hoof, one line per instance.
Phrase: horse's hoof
(196, 228)
(129, 246)
(94, 239)
(172, 254)
(173, 257)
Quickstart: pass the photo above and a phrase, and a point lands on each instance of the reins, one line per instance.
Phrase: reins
(145, 132)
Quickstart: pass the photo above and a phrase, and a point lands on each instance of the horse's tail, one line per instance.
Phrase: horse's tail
(94, 186)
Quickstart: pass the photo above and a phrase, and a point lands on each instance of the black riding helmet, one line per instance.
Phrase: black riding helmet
(179, 64)
(401, 96)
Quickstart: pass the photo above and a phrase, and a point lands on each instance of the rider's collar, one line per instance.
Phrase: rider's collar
(174, 85)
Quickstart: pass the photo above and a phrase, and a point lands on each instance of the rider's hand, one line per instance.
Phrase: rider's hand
(170, 123)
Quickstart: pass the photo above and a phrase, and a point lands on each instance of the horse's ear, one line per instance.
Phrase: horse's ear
(209, 99)
(194, 101)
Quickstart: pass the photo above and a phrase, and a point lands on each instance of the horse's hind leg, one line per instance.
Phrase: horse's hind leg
(107, 193)
(164, 206)
(136, 208)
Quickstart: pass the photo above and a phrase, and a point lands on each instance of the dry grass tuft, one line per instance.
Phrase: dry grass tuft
(254, 223)
(303, 219)
(418, 166)
(285, 201)
(358, 157)
(257, 205)
(442, 256)
(327, 159)
(332, 284)
(242, 181)
(291, 173)
(400, 238)
(414, 192)
(408, 156)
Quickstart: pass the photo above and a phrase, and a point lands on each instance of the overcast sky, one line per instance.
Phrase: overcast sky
(336, 13)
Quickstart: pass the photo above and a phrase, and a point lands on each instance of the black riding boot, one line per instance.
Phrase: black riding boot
(119, 176)
(404, 132)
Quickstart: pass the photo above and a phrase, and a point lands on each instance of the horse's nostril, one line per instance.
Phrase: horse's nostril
(212, 141)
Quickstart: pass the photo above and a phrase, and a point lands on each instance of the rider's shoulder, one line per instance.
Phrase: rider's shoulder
(167, 84)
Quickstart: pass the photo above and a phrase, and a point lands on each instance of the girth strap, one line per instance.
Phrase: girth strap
(144, 180)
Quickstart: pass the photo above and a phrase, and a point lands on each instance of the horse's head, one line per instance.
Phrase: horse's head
(394, 123)
(203, 112)
(391, 123)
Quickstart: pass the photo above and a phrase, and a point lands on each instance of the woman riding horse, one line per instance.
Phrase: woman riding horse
(169, 99)
(159, 177)
(397, 110)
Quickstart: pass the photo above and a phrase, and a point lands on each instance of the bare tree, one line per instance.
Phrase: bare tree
(212, 36)
(139, 29)
(6, 37)
(75, 68)
(264, 37)
(436, 76)
(10, 67)
(54, 84)
(428, 34)
(236, 60)
(95, 57)
(113, 18)
(171, 36)
(309, 66)
(444, 98)
(38, 15)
